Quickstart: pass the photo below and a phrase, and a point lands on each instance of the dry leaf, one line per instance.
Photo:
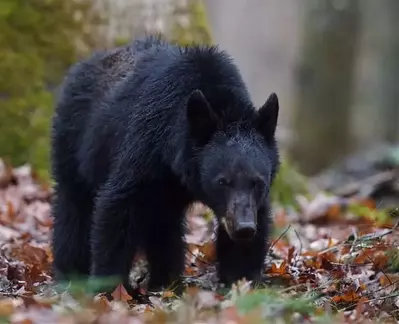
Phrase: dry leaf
(121, 294)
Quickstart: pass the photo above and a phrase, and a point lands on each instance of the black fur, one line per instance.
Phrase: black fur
(129, 158)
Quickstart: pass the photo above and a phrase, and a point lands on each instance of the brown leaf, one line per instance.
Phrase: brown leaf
(168, 294)
(101, 304)
(321, 209)
(190, 271)
(334, 212)
(33, 274)
(380, 261)
(290, 254)
(349, 296)
(280, 271)
(121, 294)
(326, 264)
(6, 174)
(389, 278)
(209, 251)
(360, 307)
(24, 321)
(32, 255)
(6, 307)
(11, 215)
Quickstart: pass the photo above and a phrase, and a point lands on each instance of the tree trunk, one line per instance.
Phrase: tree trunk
(389, 72)
(324, 83)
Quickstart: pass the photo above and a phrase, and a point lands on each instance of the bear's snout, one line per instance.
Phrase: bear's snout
(245, 230)
(241, 220)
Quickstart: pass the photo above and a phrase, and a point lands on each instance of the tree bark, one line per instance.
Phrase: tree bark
(389, 72)
(324, 84)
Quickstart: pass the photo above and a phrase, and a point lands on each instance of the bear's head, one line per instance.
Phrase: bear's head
(237, 162)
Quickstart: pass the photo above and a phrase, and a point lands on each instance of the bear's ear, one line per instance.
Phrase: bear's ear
(268, 116)
(201, 117)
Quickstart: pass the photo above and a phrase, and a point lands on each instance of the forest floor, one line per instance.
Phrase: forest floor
(333, 257)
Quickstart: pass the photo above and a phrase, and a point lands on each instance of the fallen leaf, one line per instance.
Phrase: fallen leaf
(168, 294)
(6, 307)
(121, 294)
(209, 251)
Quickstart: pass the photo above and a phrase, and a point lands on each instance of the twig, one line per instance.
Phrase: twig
(287, 289)
(383, 298)
(366, 237)
(197, 258)
(279, 238)
(300, 241)
(13, 295)
(382, 288)
(372, 261)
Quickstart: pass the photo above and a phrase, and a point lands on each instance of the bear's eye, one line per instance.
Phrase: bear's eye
(258, 183)
(223, 181)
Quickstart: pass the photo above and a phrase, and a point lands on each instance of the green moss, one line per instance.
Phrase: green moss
(38, 42)
(121, 41)
(288, 184)
(197, 30)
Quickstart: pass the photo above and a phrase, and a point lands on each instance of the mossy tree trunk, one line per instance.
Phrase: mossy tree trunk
(190, 24)
(324, 84)
(39, 40)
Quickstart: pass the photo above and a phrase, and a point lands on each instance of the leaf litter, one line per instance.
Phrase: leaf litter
(335, 258)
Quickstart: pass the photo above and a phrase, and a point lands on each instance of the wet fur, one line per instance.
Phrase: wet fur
(126, 167)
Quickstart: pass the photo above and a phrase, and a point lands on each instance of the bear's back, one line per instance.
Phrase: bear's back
(136, 95)
(116, 65)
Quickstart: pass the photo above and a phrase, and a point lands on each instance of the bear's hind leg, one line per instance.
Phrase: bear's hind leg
(72, 220)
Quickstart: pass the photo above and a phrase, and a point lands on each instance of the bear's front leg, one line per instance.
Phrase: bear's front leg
(165, 245)
(238, 260)
(115, 235)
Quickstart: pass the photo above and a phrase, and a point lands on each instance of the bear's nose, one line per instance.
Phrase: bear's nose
(245, 230)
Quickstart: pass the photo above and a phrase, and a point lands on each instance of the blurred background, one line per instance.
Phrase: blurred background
(333, 63)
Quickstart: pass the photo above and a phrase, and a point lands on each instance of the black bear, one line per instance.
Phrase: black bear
(142, 131)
